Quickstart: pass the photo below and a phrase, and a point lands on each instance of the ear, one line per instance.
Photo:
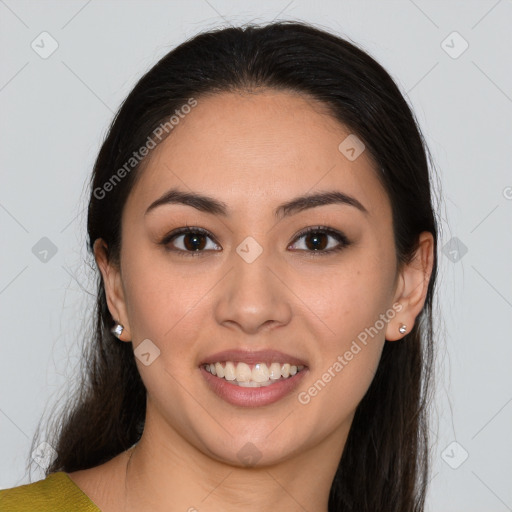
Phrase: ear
(412, 287)
(114, 292)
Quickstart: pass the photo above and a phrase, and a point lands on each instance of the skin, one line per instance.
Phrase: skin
(253, 152)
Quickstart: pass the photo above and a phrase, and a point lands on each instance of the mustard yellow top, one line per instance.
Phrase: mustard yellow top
(56, 493)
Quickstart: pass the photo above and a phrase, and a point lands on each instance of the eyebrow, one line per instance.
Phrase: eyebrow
(215, 207)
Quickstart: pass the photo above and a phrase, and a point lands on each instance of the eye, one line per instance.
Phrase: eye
(192, 241)
(316, 240)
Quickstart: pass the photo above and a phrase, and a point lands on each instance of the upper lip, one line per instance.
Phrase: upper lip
(253, 357)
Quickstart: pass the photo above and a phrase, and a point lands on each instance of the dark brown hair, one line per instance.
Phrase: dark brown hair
(384, 466)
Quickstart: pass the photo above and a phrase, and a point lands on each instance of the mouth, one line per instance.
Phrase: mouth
(252, 376)
(251, 379)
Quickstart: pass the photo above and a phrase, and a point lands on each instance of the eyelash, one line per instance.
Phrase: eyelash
(340, 237)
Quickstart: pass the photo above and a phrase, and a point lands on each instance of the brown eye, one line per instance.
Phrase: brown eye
(188, 240)
(191, 241)
(194, 242)
(317, 240)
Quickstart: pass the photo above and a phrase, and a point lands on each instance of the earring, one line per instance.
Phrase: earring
(117, 330)
(402, 329)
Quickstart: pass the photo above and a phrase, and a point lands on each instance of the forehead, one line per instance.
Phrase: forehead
(254, 149)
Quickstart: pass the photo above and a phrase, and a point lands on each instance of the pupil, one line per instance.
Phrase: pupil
(316, 238)
(196, 244)
(193, 245)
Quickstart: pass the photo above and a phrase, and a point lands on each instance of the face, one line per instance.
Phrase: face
(247, 278)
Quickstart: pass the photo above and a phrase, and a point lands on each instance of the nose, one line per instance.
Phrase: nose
(253, 296)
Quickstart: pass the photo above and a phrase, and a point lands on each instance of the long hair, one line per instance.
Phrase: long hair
(385, 462)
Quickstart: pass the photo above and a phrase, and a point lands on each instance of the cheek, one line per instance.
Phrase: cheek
(354, 303)
(168, 302)
(338, 389)
(158, 295)
(348, 297)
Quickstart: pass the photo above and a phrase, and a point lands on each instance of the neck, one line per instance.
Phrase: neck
(167, 473)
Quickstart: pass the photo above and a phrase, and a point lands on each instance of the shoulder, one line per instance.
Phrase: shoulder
(56, 493)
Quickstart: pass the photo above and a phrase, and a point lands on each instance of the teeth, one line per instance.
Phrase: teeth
(229, 371)
(243, 372)
(260, 372)
(275, 371)
(260, 375)
(219, 369)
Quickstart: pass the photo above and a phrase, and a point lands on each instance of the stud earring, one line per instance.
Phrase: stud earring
(117, 330)
(402, 329)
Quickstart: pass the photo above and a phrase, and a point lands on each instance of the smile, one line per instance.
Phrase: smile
(252, 376)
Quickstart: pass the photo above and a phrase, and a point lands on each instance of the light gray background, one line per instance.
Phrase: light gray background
(55, 112)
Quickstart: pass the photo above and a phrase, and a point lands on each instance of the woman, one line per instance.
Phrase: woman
(262, 221)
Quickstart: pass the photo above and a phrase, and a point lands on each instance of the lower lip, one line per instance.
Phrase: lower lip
(252, 397)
